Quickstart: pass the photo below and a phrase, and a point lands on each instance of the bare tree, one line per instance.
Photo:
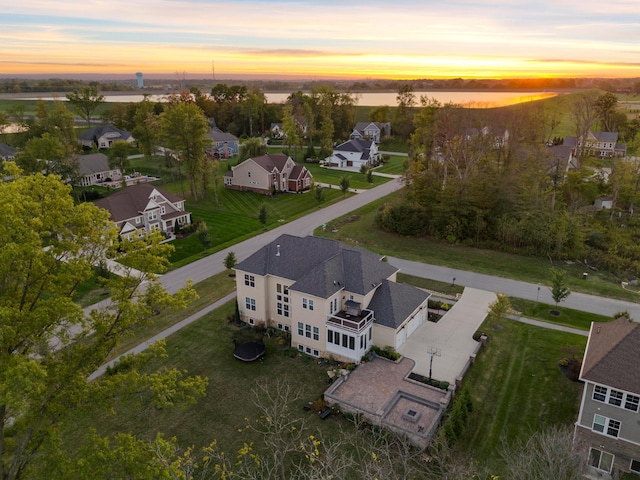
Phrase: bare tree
(585, 113)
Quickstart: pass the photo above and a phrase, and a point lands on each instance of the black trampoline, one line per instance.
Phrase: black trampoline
(249, 351)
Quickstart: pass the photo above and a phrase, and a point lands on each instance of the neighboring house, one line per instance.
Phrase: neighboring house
(7, 152)
(374, 131)
(103, 136)
(603, 203)
(94, 169)
(267, 173)
(225, 144)
(336, 300)
(276, 130)
(143, 208)
(598, 144)
(354, 153)
(607, 433)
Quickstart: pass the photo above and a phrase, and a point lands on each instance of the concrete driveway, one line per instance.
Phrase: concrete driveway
(451, 336)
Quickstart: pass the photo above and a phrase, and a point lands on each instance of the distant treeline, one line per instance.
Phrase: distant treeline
(617, 85)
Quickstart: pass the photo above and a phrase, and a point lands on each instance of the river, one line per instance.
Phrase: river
(475, 98)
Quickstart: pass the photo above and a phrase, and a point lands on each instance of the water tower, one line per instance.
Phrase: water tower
(140, 81)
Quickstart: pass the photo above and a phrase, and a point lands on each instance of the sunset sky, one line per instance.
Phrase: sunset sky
(320, 39)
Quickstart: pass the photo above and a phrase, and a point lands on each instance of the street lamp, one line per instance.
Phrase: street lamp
(538, 294)
(453, 284)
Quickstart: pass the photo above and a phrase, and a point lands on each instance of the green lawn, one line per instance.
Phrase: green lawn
(518, 388)
(205, 348)
(395, 165)
(333, 176)
(568, 317)
(359, 227)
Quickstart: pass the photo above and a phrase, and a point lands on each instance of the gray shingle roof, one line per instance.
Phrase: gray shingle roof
(355, 145)
(319, 266)
(612, 356)
(7, 151)
(606, 137)
(92, 163)
(218, 135)
(97, 132)
(394, 302)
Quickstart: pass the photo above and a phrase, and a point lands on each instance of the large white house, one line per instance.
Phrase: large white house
(336, 300)
(354, 153)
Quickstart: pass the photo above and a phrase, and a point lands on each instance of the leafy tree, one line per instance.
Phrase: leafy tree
(263, 215)
(4, 122)
(40, 153)
(290, 129)
(230, 260)
(403, 117)
(119, 157)
(559, 289)
(49, 347)
(203, 235)
(146, 128)
(85, 101)
(500, 307)
(318, 193)
(380, 114)
(184, 129)
(251, 148)
(344, 184)
(605, 107)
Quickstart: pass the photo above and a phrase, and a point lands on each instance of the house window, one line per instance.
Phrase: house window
(329, 336)
(300, 329)
(162, 211)
(250, 303)
(600, 393)
(307, 331)
(249, 280)
(345, 340)
(606, 425)
(632, 402)
(249, 174)
(615, 398)
(301, 348)
(316, 353)
(307, 304)
(635, 466)
(282, 300)
(601, 460)
(153, 215)
(251, 322)
(138, 220)
(352, 343)
(316, 333)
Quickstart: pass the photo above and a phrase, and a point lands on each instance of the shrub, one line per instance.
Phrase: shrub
(386, 352)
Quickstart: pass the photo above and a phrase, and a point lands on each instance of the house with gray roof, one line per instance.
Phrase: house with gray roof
(7, 152)
(141, 209)
(94, 169)
(103, 136)
(607, 433)
(597, 144)
(224, 144)
(269, 173)
(353, 154)
(374, 131)
(336, 300)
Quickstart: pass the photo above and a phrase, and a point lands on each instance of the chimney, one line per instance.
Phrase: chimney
(598, 329)
(278, 250)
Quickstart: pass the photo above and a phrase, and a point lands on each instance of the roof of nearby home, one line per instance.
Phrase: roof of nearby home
(394, 302)
(569, 142)
(99, 131)
(7, 150)
(271, 161)
(612, 356)
(92, 163)
(360, 126)
(319, 266)
(606, 137)
(299, 172)
(354, 145)
(131, 201)
(218, 135)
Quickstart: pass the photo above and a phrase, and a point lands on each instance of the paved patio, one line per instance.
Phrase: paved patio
(451, 336)
(382, 392)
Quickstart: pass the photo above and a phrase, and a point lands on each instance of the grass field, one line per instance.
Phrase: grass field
(359, 228)
(568, 317)
(518, 388)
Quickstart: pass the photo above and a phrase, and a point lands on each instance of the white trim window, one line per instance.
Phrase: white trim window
(250, 303)
(634, 466)
(606, 426)
(601, 460)
(307, 303)
(249, 280)
(282, 300)
(616, 398)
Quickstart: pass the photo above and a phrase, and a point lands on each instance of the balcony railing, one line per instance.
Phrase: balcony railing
(354, 323)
